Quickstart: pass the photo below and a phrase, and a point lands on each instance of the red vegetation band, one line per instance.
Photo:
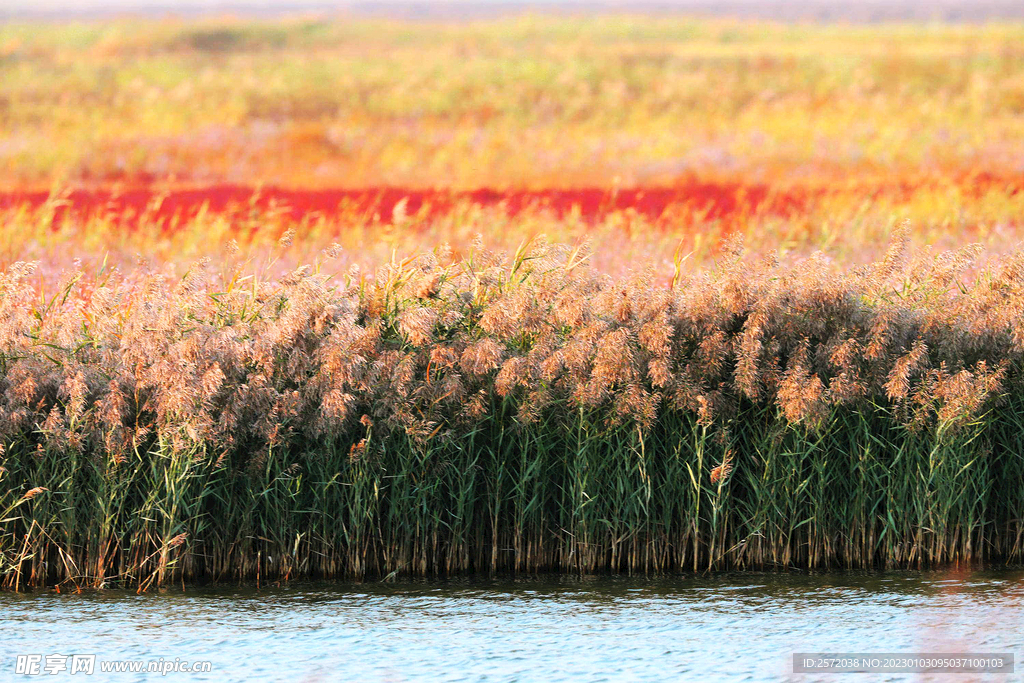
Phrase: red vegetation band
(728, 201)
(714, 200)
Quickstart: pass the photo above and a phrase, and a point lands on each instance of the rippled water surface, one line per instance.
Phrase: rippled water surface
(732, 627)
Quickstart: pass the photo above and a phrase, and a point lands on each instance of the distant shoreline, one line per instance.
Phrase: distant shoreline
(872, 11)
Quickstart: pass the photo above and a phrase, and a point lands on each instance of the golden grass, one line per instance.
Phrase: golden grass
(529, 101)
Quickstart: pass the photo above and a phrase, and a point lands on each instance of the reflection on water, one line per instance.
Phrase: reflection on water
(730, 627)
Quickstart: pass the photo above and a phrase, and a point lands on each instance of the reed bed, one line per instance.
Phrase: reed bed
(510, 412)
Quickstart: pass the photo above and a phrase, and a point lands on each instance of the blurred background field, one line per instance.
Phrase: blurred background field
(652, 135)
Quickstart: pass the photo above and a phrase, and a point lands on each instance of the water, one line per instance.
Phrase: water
(731, 627)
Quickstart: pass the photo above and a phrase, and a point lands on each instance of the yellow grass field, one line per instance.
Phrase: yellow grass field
(645, 135)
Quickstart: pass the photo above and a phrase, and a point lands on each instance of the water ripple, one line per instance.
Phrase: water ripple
(738, 627)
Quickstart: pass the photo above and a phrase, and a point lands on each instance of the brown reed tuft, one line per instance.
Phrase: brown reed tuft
(722, 471)
(33, 492)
